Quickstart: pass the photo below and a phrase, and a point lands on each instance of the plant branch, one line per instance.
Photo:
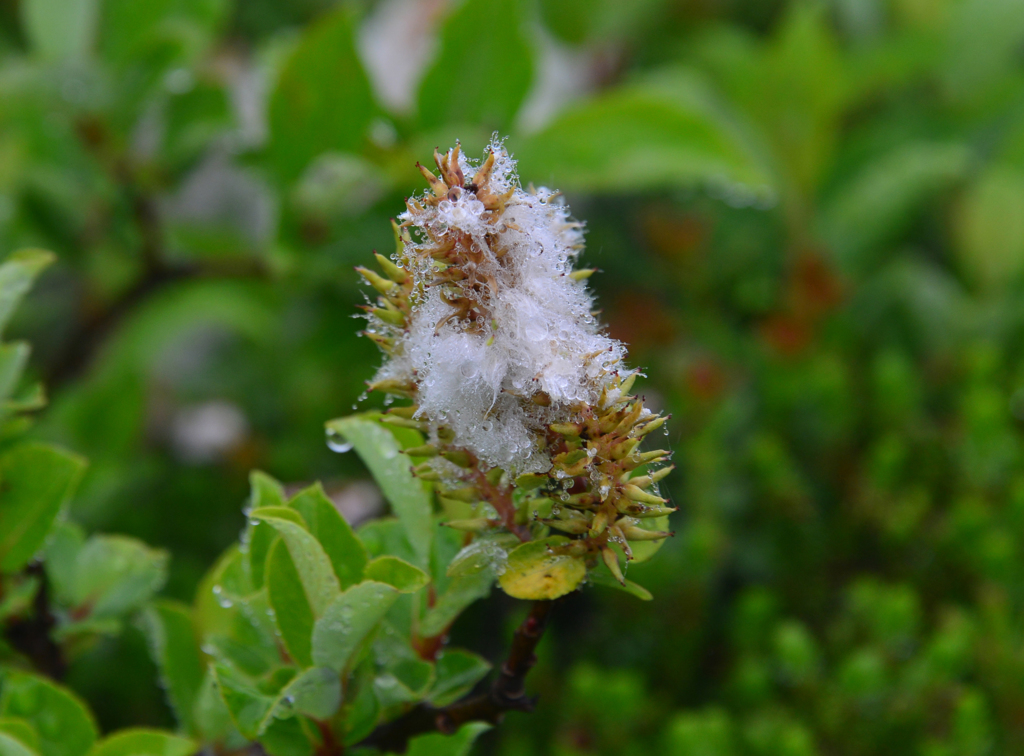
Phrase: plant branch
(31, 635)
(94, 328)
(507, 693)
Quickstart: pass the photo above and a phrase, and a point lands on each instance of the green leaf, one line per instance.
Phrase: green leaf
(322, 101)
(486, 552)
(402, 576)
(984, 38)
(144, 742)
(173, 645)
(316, 692)
(247, 704)
(437, 744)
(63, 723)
(116, 574)
(258, 712)
(226, 583)
(265, 492)
(405, 681)
(194, 119)
(466, 85)
(31, 398)
(381, 453)
(349, 621)
(21, 730)
(601, 576)
(881, 200)
(286, 737)
(386, 537)
(319, 582)
(989, 230)
(17, 273)
(461, 592)
(211, 715)
(292, 612)
(668, 130)
(363, 711)
(457, 672)
(12, 746)
(60, 29)
(581, 21)
(536, 572)
(153, 36)
(12, 362)
(282, 513)
(245, 645)
(346, 551)
(235, 624)
(36, 482)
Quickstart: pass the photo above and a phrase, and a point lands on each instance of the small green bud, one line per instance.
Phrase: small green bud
(424, 471)
(570, 430)
(624, 448)
(652, 456)
(653, 425)
(635, 493)
(402, 237)
(375, 280)
(469, 494)
(392, 386)
(386, 343)
(458, 457)
(437, 186)
(573, 527)
(403, 422)
(530, 481)
(627, 383)
(392, 271)
(634, 533)
(406, 412)
(659, 475)
(646, 481)
(642, 511)
(612, 560)
(427, 450)
(391, 317)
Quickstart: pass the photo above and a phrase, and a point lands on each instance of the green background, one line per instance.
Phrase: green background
(809, 218)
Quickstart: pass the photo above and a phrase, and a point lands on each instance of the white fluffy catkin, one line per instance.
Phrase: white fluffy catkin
(522, 348)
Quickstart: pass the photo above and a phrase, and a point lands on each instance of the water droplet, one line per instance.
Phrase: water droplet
(222, 599)
(337, 442)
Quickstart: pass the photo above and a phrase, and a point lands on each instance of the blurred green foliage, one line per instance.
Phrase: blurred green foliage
(810, 218)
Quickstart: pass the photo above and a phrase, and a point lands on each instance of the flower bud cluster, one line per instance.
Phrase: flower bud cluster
(490, 331)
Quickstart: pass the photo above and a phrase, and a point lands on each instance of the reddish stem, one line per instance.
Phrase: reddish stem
(507, 693)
